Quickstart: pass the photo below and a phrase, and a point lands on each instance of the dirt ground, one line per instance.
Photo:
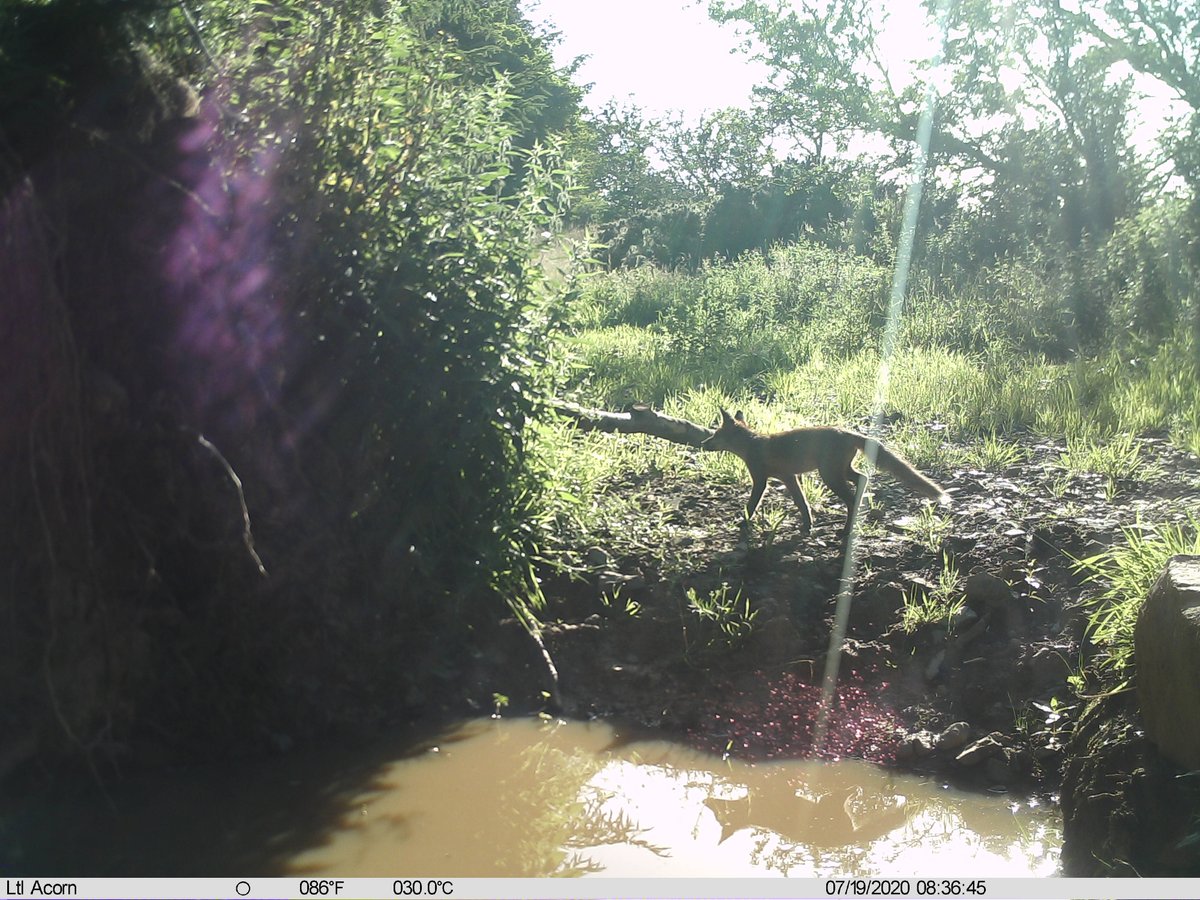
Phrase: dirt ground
(983, 701)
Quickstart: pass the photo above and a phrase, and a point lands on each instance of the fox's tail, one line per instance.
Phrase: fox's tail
(890, 462)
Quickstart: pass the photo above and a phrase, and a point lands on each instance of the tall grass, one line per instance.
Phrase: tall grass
(793, 337)
(1126, 572)
(799, 330)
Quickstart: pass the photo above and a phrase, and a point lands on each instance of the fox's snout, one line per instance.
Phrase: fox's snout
(724, 437)
(719, 440)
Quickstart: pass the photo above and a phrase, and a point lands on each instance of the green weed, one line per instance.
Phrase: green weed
(1126, 573)
(929, 528)
(627, 605)
(992, 454)
(731, 614)
(1118, 456)
(936, 606)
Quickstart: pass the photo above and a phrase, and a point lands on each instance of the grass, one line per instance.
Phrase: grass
(729, 613)
(937, 606)
(797, 341)
(1125, 573)
(799, 335)
(992, 453)
(930, 528)
(1115, 456)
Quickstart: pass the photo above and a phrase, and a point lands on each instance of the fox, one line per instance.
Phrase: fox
(830, 451)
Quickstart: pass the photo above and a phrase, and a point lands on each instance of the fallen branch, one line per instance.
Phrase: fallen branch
(640, 419)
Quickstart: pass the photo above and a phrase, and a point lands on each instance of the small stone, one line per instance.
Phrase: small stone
(918, 745)
(1046, 668)
(1047, 751)
(922, 743)
(1021, 762)
(986, 591)
(953, 737)
(962, 618)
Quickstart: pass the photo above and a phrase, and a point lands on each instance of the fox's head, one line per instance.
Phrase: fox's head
(731, 434)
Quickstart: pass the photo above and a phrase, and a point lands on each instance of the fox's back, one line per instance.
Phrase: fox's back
(805, 449)
(788, 452)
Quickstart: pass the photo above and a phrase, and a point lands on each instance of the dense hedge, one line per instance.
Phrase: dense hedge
(269, 347)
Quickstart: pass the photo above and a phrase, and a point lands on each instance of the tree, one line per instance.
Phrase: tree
(613, 148)
(1026, 106)
(1160, 39)
(724, 149)
(493, 36)
(1051, 115)
(309, 301)
(827, 74)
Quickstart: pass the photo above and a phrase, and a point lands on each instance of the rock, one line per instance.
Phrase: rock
(878, 607)
(1020, 763)
(916, 746)
(597, 557)
(1167, 652)
(769, 607)
(1047, 751)
(860, 656)
(962, 618)
(1121, 806)
(980, 750)
(953, 737)
(961, 544)
(1047, 668)
(773, 639)
(988, 593)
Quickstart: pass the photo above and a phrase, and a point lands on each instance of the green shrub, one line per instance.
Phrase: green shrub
(310, 314)
(1125, 574)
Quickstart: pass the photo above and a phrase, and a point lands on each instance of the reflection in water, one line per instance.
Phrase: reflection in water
(524, 798)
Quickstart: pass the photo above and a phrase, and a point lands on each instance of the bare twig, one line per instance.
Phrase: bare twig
(247, 535)
(195, 29)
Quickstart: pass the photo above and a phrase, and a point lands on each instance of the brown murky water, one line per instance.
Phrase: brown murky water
(522, 797)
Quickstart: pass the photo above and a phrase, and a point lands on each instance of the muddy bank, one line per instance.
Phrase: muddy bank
(983, 701)
(1126, 810)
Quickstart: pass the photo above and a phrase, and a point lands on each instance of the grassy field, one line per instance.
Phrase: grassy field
(800, 334)
(795, 338)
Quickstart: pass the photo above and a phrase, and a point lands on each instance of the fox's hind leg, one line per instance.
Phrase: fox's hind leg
(848, 485)
(792, 483)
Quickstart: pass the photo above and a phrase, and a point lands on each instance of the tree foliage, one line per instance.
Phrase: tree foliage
(819, 93)
(272, 346)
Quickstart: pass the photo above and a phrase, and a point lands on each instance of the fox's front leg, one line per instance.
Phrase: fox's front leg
(756, 493)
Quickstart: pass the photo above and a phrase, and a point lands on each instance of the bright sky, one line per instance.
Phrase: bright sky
(663, 54)
(667, 55)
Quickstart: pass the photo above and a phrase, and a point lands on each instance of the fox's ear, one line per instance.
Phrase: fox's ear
(740, 417)
(726, 419)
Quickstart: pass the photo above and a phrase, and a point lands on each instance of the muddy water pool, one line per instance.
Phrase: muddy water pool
(526, 798)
